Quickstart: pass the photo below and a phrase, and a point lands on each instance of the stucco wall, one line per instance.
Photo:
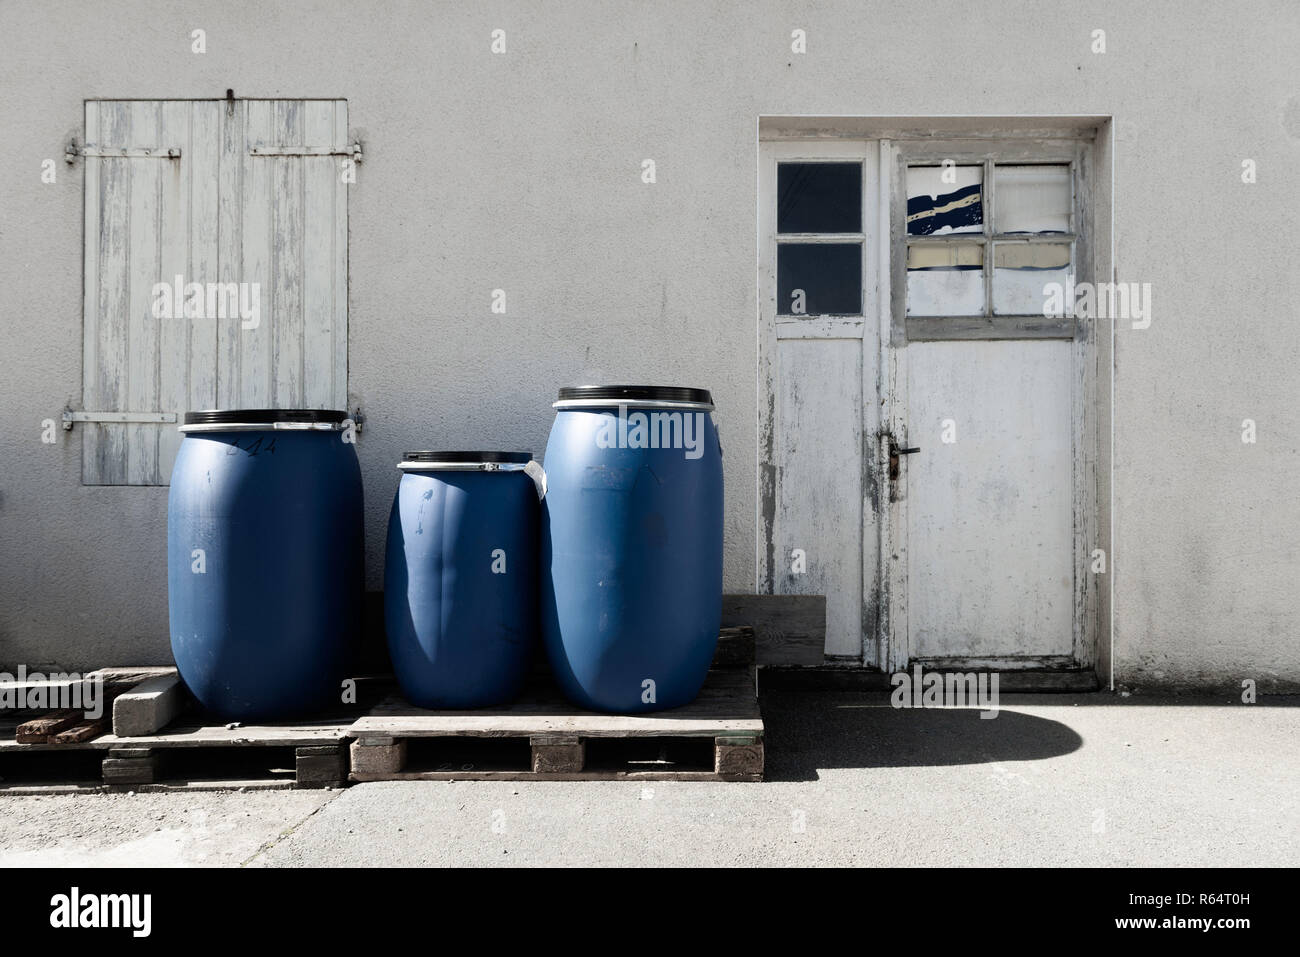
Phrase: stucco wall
(521, 172)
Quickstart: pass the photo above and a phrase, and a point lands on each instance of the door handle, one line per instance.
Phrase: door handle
(894, 452)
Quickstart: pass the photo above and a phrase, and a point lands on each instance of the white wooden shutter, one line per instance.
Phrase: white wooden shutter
(255, 196)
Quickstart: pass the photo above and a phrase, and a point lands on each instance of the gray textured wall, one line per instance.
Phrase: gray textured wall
(522, 172)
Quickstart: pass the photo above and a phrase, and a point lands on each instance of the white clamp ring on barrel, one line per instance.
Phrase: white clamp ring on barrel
(631, 404)
(532, 469)
(266, 427)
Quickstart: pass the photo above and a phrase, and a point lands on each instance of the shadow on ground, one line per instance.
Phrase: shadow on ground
(806, 733)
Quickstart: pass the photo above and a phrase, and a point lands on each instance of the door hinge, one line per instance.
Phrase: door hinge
(70, 418)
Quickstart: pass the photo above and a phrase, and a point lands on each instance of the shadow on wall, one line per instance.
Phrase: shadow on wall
(807, 733)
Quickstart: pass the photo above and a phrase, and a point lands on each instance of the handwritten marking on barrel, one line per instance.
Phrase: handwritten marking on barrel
(419, 516)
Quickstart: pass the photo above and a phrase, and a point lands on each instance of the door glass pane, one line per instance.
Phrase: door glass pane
(1032, 199)
(819, 198)
(1022, 275)
(945, 279)
(945, 199)
(819, 279)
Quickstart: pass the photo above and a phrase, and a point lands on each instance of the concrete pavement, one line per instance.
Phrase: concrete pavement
(1053, 780)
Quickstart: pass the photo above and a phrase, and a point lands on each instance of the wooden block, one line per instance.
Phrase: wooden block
(738, 758)
(149, 706)
(81, 731)
(788, 629)
(378, 758)
(40, 730)
(130, 753)
(128, 770)
(735, 648)
(557, 753)
(324, 766)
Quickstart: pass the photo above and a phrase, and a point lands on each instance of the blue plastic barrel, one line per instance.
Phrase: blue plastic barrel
(460, 579)
(265, 552)
(631, 548)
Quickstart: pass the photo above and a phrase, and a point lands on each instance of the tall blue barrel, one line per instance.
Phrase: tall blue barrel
(265, 552)
(632, 545)
(460, 579)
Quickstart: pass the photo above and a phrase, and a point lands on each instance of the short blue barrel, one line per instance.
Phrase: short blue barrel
(632, 545)
(460, 578)
(265, 557)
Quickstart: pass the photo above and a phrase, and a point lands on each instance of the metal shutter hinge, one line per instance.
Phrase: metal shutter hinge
(353, 151)
(70, 417)
(121, 152)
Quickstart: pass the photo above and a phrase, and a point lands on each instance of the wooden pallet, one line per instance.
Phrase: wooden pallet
(718, 737)
(296, 754)
(192, 752)
(187, 756)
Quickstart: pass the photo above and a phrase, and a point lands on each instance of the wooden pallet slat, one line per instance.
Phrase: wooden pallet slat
(81, 731)
(40, 730)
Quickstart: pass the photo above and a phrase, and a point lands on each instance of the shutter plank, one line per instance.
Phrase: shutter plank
(255, 345)
(320, 236)
(287, 252)
(176, 221)
(90, 310)
(204, 253)
(143, 271)
(104, 446)
(230, 250)
(339, 275)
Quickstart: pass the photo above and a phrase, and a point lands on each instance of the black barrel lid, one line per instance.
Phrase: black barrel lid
(498, 458)
(635, 393)
(243, 416)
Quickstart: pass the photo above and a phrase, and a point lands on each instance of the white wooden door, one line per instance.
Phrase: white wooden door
(987, 402)
(245, 192)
